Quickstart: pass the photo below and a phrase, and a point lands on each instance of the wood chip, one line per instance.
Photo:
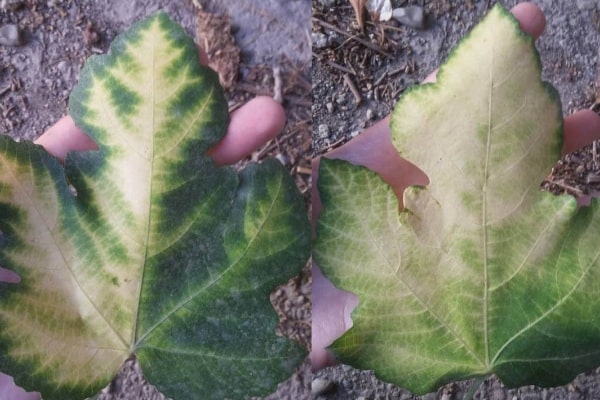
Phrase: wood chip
(214, 36)
(304, 171)
(277, 85)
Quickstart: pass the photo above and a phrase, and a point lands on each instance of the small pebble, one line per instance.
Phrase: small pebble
(531, 396)
(341, 99)
(586, 4)
(90, 36)
(498, 394)
(320, 386)
(323, 131)
(329, 107)
(62, 66)
(319, 40)
(334, 38)
(281, 158)
(545, 394)
(380, 8)
(10, 35)
(10, 5)
(327, 3)
(370, 114)
(412, 16)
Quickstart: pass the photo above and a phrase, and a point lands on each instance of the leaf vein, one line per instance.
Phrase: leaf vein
(216, 279)
(550, 310)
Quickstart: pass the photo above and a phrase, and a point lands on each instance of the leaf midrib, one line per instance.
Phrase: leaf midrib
(484, 221)
(149, 218)
(392, 205)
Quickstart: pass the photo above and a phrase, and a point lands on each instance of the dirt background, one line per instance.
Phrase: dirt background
(397, 56)
(57, 36)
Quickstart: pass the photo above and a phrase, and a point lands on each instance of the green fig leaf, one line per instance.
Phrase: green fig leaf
(481, 272)
(145, 247)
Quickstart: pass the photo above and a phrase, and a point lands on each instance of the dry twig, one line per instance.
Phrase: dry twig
(364, 42)
(360, 9)
(353, 89)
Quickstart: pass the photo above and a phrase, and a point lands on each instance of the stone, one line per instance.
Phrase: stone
(341, 99)
(380, 8)
(585, 5)
(320, 386)
(282, 159)
(327, 3)
(412, 16)
(323, 131)
(319, 40)
(10, 35)
(10, 5)
(531, 396)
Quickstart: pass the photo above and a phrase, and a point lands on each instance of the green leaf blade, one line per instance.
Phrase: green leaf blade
(228, 329)
(557, 313)
(52, 313)
(504, 276)
(146, 178)
(395, 302)
(157, 253)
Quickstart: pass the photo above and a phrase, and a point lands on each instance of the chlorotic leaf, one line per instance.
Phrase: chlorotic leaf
(481, 272)
(145, 247)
